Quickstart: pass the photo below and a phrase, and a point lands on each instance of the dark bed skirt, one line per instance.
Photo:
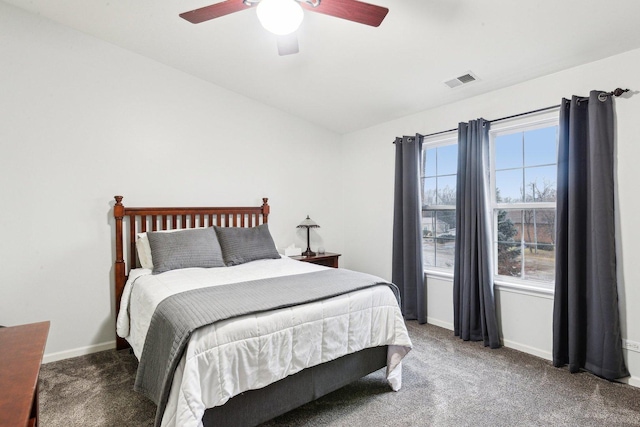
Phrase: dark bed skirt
(257, 406)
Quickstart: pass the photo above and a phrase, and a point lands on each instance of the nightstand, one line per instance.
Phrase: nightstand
(327, 259)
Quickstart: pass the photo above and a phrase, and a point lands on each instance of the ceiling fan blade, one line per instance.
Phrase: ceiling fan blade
(288, 44)
(351, 10)
(214, 11)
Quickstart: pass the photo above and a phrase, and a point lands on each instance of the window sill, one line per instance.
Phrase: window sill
(439, 274)
(523, 288)
(501, 285)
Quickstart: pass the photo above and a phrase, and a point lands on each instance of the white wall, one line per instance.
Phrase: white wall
(368, 165)
(81, 121)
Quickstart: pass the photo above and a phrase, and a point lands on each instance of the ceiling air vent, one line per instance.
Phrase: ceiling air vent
(459, 81)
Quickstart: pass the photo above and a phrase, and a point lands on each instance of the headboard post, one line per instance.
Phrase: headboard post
(265, 209)
(119, 267)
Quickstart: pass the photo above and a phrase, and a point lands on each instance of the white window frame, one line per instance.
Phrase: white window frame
(520, 124)
(441, 140)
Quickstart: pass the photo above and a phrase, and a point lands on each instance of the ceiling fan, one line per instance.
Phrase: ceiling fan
(283, 17)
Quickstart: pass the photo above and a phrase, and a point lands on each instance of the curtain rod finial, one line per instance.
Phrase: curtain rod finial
(619, 91)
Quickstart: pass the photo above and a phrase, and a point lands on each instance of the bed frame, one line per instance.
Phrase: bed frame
(255, 406)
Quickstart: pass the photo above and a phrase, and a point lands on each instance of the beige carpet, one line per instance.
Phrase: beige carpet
(447, 382)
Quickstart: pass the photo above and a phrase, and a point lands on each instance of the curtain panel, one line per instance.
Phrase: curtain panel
(407, 269)
(474, 312)
(586, 323)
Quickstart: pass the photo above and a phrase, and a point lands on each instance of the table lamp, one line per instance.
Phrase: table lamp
(308, 223)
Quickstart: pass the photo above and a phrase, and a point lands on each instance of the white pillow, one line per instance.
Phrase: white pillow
(144, 251)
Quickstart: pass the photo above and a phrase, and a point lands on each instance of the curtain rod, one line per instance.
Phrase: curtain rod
(616, 92)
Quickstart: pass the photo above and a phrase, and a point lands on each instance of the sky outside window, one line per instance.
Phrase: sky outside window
(525, 166)
(440, 169)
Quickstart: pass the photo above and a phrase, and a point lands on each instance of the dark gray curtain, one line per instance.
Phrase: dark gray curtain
(474, 313)
(586, 324)
(407, 269)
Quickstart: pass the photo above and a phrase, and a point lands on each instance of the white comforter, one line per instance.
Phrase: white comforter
(250, 352)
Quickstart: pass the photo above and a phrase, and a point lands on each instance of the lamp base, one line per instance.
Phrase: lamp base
(308, 253)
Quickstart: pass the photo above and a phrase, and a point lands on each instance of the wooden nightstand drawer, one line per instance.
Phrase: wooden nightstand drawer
(327, 259)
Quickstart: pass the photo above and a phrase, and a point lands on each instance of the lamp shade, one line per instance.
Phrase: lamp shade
(280, 17)
(308, 223)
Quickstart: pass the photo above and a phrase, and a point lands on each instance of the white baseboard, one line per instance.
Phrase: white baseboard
(507, 343)
(75, 352)
(632, 381)
(528, 349)
(438, 322)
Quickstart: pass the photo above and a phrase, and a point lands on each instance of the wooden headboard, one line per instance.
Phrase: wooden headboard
(130, 221)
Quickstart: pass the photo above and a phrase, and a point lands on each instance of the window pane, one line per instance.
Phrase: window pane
(446, 222)
(509, 186)
(430, 162)
(539, 226)
(540, 184)
(539, 243)
(509, 259)
(540, 262)
(509, 224)
(439, 238)
(546, 225)
(429, 252)
(540, 146)
(448, 159)
(508, 149)
(429, 191)
(428, 238)
(445, 238)
(445, 252)
(446, 190)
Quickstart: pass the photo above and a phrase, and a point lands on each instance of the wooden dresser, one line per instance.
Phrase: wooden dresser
(21, 350)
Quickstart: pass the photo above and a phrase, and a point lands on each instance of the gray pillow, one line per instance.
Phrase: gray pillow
(240, 245)
(196, 247)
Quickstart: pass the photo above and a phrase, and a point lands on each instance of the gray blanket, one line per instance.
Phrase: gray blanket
(176, 317)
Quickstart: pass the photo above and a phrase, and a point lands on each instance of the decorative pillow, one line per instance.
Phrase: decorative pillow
(144, 250)
(197, 247)
(240, 245)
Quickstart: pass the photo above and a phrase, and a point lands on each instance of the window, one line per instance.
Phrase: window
(523, 181)
(523, 168)
(438, 181)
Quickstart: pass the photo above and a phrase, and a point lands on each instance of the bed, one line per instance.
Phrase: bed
(225, 374)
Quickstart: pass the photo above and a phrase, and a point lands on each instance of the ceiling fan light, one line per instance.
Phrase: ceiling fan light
(280, 17)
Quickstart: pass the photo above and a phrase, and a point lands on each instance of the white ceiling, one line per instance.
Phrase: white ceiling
(349, 76)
